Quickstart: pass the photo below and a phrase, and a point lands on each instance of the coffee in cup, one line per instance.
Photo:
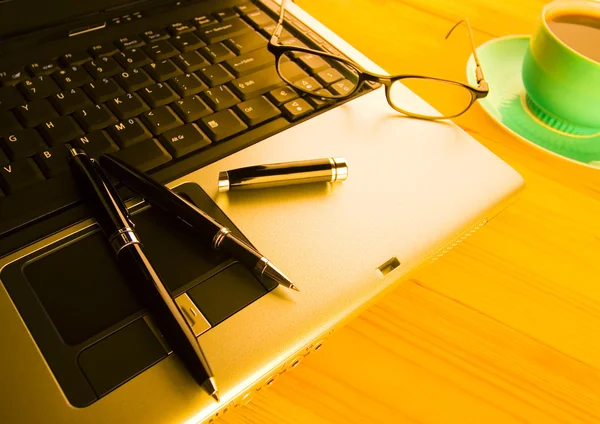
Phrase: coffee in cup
(561, 69)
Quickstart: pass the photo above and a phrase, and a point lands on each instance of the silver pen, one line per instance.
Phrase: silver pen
(284, 173)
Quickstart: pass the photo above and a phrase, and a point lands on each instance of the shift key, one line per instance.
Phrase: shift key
(250, 62)
(257, 83)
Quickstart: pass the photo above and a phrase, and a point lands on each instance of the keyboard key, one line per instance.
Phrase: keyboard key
(96, 144)
(22, 143)
(163, 70)
(259, 19)
(10, 98)
(220, 97)
(245, 8)
(146, 155)
(187, 42)
(38, 87)
(313, 63)
(246, 42)
(127, 106)
(19, 175)
(221, 31)
(257, 83)
(130, 42)
(256, 111)
(3, 158)
(69, 101)
(161, 119)
(154, 35)
(129, 132)
(35, 112)
(179, 28)
(158, 95)
(103, 67)
(190, 61)
(329, 76)
(292, 71)
(160, 50)
(204, 20)
(281, 95)
(319, 103)
(74, 59)
(217, 53)
(225, 14)
(134, 80)
(43, 68)
(103, 90)
(94, 118)
(103, 50)
(222, 125)
(53, 161)
(191, 108)
(72, 77)
(8, 122)
(342, 87)
(187, 84)
(296, 109)
(183, 140)
(60, 130)
(308, 84)
(12, 76)
(250, 62)
(132, 58)
(214, 75)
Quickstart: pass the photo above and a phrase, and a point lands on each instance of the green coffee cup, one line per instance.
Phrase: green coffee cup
(561, 78)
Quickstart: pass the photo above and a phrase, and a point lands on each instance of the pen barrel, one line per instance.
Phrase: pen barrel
(147, 285)
(102, 198)
(161, 197)
(284, 173)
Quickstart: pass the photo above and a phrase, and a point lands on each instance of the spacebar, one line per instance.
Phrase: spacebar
(43, 199)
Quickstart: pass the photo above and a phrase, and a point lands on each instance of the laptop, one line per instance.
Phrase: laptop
(77, 346)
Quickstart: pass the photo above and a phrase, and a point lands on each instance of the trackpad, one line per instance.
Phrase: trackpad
(83, 315)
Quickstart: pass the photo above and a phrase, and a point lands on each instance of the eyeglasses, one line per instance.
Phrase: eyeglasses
(337, 77)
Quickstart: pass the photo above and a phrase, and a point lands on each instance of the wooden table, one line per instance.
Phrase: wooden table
(503, 329)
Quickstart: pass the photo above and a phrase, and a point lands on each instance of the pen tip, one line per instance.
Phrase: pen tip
(211, 387)
(270, 271)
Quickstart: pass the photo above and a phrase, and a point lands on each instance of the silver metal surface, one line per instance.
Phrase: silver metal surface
(122, 238)
(198, 323)
(330, 242)
(223, 181)
(340, 170)
(219, 237)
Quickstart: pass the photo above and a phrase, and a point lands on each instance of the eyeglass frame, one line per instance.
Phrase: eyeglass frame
(479, 92)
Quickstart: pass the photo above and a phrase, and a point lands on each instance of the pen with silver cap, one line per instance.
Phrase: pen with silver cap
(284, 173)
(112, 217)
(220, 237)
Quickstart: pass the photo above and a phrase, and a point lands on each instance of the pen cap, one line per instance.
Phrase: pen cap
(284, 173)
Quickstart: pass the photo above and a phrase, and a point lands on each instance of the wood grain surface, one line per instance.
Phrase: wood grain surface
(504, 328)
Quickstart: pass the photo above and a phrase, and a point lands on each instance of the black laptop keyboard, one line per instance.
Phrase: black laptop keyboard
(167, 100)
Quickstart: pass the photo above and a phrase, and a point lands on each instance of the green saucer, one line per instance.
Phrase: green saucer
(501, 60)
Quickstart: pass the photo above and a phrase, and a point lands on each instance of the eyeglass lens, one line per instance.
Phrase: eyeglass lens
(444, 98)
(319, 75)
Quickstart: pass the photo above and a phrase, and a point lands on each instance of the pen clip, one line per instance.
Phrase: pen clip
(113, 191)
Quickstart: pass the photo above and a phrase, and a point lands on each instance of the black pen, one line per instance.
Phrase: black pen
(221, 237)
(112, 217)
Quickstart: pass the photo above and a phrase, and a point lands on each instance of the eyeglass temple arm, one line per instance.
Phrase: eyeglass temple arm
(279, 27)
(481, 83)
